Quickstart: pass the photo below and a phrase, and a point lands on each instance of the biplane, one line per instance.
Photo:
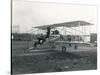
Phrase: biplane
(53, 40)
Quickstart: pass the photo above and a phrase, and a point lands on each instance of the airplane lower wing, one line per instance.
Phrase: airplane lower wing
(73, 42)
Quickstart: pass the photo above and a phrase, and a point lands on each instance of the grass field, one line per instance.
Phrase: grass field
(24, 62)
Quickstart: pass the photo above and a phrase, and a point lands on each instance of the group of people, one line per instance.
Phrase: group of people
(42, 38)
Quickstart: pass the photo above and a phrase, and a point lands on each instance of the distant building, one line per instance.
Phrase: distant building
(21, 36)
(93, 37)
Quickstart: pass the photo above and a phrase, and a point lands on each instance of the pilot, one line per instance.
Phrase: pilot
(48, 32)
(69, 39)
(41, 39)
(55, 32)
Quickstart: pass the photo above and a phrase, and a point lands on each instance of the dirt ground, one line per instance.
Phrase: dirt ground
(24, 62)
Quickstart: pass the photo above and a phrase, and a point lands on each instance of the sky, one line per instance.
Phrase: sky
(28, 14)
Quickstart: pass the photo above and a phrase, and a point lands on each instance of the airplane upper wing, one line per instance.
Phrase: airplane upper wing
(65, 24)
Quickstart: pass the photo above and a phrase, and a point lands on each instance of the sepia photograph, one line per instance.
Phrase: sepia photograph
(52, 37)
